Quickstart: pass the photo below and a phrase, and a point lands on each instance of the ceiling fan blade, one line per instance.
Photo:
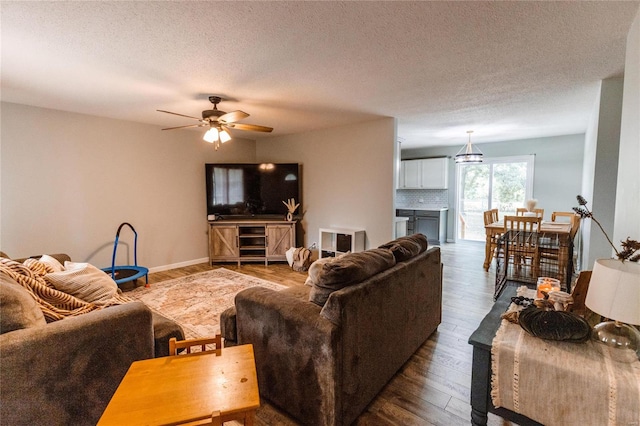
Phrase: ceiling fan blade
(232, 117)
(181, 115)
(184, 127)
(251, 127)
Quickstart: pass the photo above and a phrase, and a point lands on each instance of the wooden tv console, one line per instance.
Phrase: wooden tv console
(250, 240)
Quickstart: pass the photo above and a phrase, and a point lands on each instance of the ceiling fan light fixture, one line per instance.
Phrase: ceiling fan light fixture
(219, 122)
(224, 136)
(469, 154)
(211, 135)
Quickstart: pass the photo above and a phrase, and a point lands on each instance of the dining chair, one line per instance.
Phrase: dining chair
(522, 243)
(494, 215)
(553, 254)
(573, 218)
(490, 216)
(204, 345)
(520, 211)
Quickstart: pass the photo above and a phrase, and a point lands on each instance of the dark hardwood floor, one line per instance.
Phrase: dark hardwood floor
(433, 387)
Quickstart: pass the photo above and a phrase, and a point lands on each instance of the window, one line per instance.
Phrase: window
(503, 183)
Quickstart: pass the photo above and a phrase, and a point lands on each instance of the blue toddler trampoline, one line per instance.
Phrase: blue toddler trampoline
(126, 273)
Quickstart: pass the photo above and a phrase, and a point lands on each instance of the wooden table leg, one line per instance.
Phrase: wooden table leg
(250, 418)
(487, 250)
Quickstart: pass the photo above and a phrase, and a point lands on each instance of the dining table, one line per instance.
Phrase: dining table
(549, 231)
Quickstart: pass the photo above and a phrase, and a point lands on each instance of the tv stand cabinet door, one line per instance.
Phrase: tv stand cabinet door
(280, 238)
(223, 243)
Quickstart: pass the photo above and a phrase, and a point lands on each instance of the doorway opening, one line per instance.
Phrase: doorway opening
(503, 183)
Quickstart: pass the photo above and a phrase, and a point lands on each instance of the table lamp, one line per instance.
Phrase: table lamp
(614, 293)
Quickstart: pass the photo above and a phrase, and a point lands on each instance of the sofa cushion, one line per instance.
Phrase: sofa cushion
(316, 268)
(229, 327)
(404, 248)
(347, 270)
(84, 281)
(18, 309)
(163, 330)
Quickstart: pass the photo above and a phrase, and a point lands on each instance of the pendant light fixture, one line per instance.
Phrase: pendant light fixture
(469, 153)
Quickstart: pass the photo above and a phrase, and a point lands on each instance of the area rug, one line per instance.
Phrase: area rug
(196, 301)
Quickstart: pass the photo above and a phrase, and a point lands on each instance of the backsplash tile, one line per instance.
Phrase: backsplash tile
(416, 198)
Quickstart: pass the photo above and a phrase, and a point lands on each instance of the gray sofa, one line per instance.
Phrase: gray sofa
(65, 372)
(324, 364)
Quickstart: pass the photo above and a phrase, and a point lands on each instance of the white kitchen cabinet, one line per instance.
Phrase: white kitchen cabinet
(435, 173)
(412, 173)
(425, 173)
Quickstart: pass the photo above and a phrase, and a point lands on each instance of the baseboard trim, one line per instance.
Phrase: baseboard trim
(178, 265)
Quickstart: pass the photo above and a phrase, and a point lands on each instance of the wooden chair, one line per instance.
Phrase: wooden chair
(550, 253)
(494, 215)
(488, 217)
(573, 218)
(520, 211)
(522, 242)
(491, 216)
(189, 344)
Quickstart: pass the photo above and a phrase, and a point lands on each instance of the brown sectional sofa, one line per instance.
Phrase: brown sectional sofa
(324, 364)
(65, 372)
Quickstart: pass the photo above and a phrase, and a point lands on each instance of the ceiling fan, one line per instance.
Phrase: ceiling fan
(219, 123)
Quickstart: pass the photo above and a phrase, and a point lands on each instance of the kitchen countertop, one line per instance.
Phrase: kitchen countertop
(425, 208)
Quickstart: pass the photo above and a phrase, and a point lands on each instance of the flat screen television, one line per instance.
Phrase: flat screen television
(251, 190)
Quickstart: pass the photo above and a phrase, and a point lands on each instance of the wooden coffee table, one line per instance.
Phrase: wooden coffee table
(187, 388)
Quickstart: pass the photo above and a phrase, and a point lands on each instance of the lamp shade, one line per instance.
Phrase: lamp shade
(211, 135)
(224, 136)
(614, 290)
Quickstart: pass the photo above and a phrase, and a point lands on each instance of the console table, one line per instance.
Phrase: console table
(250, 240)
(531, 370)
(482, 339)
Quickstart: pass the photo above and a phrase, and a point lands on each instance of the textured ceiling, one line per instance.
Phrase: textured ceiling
(508, 70)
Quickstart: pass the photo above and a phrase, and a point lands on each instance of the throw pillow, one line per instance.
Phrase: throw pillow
(404, 248)
(84, 281)
(19, 309)
(348, 270)
(52, 262)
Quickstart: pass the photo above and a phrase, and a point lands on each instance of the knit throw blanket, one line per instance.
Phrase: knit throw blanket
(562, 383)
(55, 304)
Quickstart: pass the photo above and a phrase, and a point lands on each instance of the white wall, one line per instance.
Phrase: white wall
(628, 189)
(557, 169)
(588, 175)
(601, 170)
(69, 180)
(348, 176)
